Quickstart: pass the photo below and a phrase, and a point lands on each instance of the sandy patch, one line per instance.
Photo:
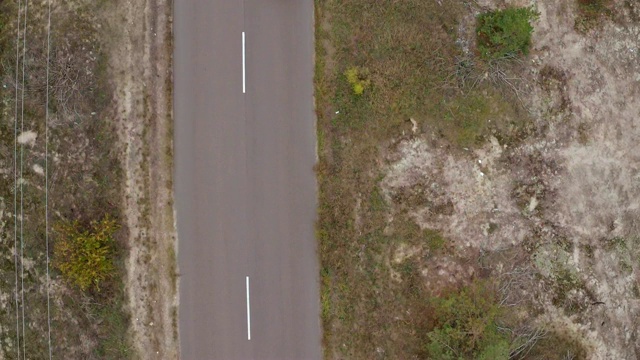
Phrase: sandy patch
(38, 169)
(27, 138)
(141, 64)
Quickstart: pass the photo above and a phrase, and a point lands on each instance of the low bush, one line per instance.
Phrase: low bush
(465, 326)
(357, 78)
(85, 255)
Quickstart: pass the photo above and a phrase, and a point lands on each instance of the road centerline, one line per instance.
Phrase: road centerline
(244, 76)
(248, 311)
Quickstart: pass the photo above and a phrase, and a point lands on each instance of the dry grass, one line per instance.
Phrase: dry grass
(591, 14)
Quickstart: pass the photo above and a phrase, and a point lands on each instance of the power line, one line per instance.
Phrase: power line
(24, 56)
(15, 179)
(46, 175)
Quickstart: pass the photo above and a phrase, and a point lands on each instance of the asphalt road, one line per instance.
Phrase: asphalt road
(244, 184)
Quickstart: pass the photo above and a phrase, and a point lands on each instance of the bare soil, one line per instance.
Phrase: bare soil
(140, 60)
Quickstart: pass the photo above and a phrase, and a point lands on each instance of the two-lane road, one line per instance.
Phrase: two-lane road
(245, 188)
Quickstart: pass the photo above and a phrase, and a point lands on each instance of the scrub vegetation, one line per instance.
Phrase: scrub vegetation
(86, 235)
(591, 13)
(458, 162)
(507, 32)
(85, 254)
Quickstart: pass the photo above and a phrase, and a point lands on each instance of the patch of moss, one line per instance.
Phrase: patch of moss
(616, 243)
(435, 240)
(467, 119)
(376, 200)
(625, 266)
(589, 252)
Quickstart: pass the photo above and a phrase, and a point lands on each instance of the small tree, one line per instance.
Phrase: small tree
(85, 255)
(505, 32)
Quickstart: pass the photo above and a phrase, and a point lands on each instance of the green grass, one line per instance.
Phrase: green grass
(505, 33)
(466, 326)
(435, 240)
(557, 345)
(114, 338)
(467, 120)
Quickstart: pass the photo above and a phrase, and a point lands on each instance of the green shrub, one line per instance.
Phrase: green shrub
(465, 326)
(85, 255)
(505, 32)
(357, 78)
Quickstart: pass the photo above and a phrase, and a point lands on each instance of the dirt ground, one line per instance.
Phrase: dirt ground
(545, 207)
(568, 193)
(140, 60)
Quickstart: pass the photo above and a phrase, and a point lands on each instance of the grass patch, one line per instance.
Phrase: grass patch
(84, 254)
(469, 323)
(114, 341)
(591, 13)
(435, 240)
(505, 33)
(358, 79)
(558, 346)
(465, 326)
(467, 119)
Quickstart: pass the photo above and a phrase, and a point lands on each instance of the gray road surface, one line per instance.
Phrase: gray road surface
(245, 188)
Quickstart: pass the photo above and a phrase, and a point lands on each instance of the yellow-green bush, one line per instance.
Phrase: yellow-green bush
(85, 255)
(357, 78)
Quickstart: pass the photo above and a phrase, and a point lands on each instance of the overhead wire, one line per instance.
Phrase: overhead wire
(46, 176)
(24, 57)
(15, 179)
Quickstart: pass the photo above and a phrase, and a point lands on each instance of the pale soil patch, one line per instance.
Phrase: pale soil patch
(38, 169)
(464, 195)
(27, 138)
(141, 65)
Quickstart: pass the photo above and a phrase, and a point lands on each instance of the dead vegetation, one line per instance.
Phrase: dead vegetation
(450, 170)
